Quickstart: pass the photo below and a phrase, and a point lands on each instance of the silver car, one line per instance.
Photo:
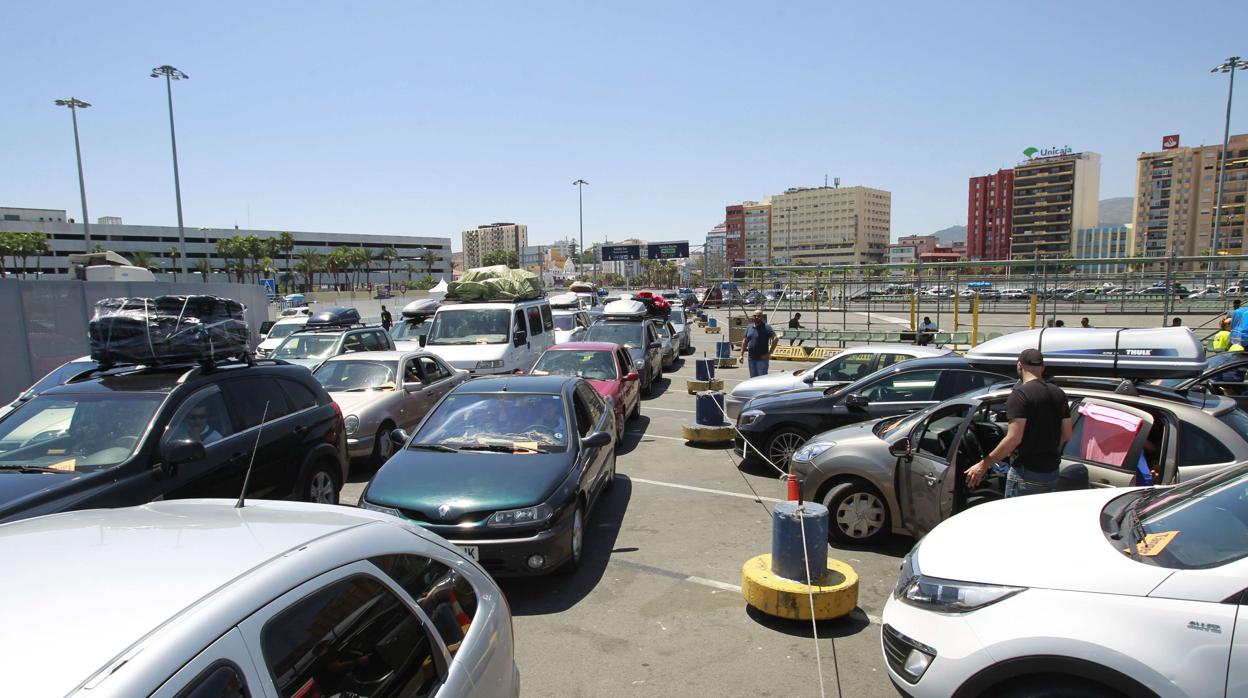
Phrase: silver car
(669, 342)
(378, 391)
(839, 369)
(680, 329)
(273, 599)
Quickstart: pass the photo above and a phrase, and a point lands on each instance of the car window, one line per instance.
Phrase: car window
(221, 680)
(301, 396)
(592, 401)
(912, 386)
(565, 323)
(535, 321)
(1199, 447)
(442, 593)
(890, 359)
(584, 419)
(353, 342)
(431, 369)
(373, 341)
(306, 346)
(517, 323)
(935, 435)
(470, 326)
(253, 398)
(411, 371)
(486, 420)
(624, 334)
(954, 383)
(76, 433)
(582, 319)
(1101, 435)
(625, 361)
(548, 321)
(850, 367)
(356, 375)
(203, 418)
(353, 637)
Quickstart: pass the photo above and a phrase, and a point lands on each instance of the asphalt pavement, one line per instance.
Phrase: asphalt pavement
(656, 608)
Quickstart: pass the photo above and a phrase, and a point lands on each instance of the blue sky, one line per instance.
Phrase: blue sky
(427, 118)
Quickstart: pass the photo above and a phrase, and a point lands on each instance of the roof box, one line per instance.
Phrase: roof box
(566, 301)
(581, 287)
(335, 317)
(1161, 352)
(625, 308)
(421, 308)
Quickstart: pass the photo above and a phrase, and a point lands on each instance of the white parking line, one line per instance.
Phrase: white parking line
(672, 574)
(652, 436)
(705, 490)
(668, 409)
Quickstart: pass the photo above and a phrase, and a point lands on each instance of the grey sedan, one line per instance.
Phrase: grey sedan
(379, 391)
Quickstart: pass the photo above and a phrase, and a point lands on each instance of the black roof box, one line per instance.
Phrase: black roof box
(334, 317)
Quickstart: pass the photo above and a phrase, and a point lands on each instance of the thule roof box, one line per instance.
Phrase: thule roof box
(333, 317)
(1162, 352)
(420, 309)
(625, 309)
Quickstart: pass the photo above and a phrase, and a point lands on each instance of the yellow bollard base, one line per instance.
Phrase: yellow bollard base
(701, 434)
(713, 330)
(836, 593)
(696, 387)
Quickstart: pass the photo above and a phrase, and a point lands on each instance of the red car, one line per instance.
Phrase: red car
(605, 366)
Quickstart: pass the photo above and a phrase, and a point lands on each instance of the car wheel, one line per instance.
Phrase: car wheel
(578, 542)
(783, 444)
(636, 410)
(319, 483)
(1055, 687)
(383, 447)
(858, 514)
(648, 390)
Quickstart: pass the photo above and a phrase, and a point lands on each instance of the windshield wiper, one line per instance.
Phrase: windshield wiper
(354, 390)
(499, 448)
(31, 469)
(434, 447)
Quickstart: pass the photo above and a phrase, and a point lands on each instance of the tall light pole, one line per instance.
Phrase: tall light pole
(74, 105)
(580, 204)
(1230, 65)
(170, 74)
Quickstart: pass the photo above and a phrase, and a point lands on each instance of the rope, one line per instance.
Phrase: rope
(810, 592)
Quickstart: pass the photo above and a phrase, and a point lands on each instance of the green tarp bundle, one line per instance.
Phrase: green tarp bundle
(497, 283)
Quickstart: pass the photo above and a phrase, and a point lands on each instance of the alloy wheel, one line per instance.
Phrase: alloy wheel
(860, 515)
(321, 489)
(783, 446)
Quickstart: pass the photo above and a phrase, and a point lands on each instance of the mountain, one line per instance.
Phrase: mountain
(952, 234)
(1116, 211)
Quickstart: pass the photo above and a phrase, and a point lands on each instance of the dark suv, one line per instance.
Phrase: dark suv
(641, 338)
(131, 435)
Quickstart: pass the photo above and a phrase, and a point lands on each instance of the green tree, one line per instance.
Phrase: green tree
(286, 243)
(389, 256)
(174, 254)
(8, 248)
(310, 264)
(430, 260)
(410, 269)
(203, 267)
(141, 258)
(507, 257)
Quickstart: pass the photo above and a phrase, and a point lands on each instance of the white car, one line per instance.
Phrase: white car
(278, 333)
(199, 598)
(570, 325)
(838, 369)
(1095, 592)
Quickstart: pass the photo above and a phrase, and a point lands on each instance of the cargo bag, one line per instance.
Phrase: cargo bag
(496, 283)
(167, 329)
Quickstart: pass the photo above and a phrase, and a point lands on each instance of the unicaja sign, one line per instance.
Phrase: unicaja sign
(1033, 152)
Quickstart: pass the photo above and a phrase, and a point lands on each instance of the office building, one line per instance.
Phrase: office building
(1104, 242)
(1053, 197)
(830, 225)
(1175, 195)
(734, 237)
(902, 253)
(33, 215)
(484, 239)
(756, 236)
(715, 251)
(989, 207)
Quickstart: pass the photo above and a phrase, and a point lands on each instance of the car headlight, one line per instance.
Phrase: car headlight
(365, 504)
(517, 517)
(496, 363)
(945, 595)
(812, 451)
(748, 417)
(352, 423)
(639, 364)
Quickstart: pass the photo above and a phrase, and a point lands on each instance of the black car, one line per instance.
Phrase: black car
(641, 339)
(777, 425)
(506, 468)
(131, 435)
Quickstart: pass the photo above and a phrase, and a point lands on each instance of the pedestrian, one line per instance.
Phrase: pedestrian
(926, 328)
(1221, 340)
(795, 324)
(1239, 322)
(1060, 323)
(386, 320)
(759, 341)
(1083, 322)
(1177, 322)
(1040, 426)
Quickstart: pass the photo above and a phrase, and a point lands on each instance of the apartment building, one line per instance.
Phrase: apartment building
(734, 234)
(1053, 197)
(830, 225)
(989, 215)
(484, 239)
(756, 235)
(1104, 242)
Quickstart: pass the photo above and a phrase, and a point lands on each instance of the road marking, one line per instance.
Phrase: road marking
(705, 490)
(672, 574)
(652, 436)
(668, 409)
(885, 318)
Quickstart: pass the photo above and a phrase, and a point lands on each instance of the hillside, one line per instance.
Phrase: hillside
(1115, 211)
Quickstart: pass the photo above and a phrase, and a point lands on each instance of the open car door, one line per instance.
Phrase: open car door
(925, 475)
(1108, 438)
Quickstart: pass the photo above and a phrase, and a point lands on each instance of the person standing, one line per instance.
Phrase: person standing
(1221, 340)
(1040, 426)
(386, 320)
(795, 323)
(759, 341)
(1239, 322)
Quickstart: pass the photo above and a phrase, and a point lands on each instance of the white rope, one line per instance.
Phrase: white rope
(810, 592)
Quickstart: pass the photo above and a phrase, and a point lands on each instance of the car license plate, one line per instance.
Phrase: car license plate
(471, 551)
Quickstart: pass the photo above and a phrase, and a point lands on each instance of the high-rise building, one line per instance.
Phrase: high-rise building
(734, 238)
(989, 215)
(1104, 242)
(1175, 195)
(757, 233)
(715, 253)
(830, 225)
(1053, 197)
(484, 239)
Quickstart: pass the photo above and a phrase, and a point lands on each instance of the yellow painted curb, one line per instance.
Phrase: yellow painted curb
(696, 386)
(836, 593)
(702, 434)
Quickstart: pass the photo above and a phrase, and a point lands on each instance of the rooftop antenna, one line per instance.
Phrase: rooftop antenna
(837, 182)
(825, 181)
(247, 476)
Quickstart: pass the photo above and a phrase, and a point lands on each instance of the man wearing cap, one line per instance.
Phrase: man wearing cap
(1040, 426)
(760, 340)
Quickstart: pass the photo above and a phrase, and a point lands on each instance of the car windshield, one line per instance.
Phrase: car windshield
(470, 326)
(1198, 524)
(518, 421)
(624, 334)
(663, 332)
(58, 376)
(75, 433)
(284, 330)
(565, 322)
(410, 330)
(677, 317)
(341, 376)
(306, 346)
(591, 365)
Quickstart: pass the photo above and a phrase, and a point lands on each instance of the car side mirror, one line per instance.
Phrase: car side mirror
(656, 345)
(809, 378)
(421, 339)
(900, 448)
(398, 436)
(182, 451)
(598, 439)
(632, 376)
(413, 387)
(856, 400)
(521, 339)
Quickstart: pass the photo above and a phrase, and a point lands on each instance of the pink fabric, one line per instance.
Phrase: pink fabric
(1107, 434)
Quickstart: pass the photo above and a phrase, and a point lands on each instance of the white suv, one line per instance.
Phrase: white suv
(1091, 593)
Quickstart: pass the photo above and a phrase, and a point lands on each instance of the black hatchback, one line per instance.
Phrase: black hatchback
(131, 435)
(777, 425)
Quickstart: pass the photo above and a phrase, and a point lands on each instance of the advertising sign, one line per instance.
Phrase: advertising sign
(621, 253)
(1170, 142)
(667, 250)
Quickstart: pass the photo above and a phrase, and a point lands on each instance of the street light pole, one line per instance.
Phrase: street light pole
(580, 203)
(74, 105)
(1230, 65)
(171, 73)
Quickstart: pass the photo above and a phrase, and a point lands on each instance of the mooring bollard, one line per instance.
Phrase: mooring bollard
(704, 369)
(704, 377)
(723, 354)
(708, 411)
(788, 559)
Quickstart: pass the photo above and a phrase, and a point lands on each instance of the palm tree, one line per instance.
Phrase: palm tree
(204, 268)
(141, 259)
(8, 247)
(286, 243)
(410, 269)
(430, 258)
(254, 250)
(310, 263)
(175, 254)
(361, 259)
(335, 263)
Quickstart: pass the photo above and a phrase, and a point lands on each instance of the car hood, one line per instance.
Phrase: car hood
(466, 356)
(470, 482)
(354, 403)
(792, 400)
(310, 364)
(18, 490)
(1047, 541)
(270, 343)
(605, 388)
(769, 384)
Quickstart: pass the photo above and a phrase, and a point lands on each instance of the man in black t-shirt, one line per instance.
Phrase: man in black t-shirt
(1040, 426)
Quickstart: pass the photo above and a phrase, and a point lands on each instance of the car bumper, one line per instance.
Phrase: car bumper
(756, 442)
(958, 653)
(508, 557)
(360, 446)
(733, 405)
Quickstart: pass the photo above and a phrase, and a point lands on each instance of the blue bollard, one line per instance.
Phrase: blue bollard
(704, 369)
(708, 411)
(712, 322)
(787, 559)
(723, 350)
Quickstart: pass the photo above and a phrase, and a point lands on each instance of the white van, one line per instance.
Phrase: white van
(492, 337)
(278, 332)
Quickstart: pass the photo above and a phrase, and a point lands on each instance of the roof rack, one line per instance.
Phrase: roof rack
(191, 368)
(327, 327)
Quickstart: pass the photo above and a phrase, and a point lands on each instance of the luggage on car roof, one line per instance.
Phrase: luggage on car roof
(421, 308)
(1155, 352)
(628, 308)
(167, 329)
(497, 283)
(566, 300)
(335, 317)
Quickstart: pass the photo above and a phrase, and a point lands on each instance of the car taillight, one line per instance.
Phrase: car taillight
(331, 437)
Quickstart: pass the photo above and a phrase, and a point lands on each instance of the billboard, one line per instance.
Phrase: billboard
(667, 250)
(1170, 142)
(621, 253)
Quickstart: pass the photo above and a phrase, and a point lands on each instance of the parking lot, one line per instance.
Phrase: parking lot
(656, 608)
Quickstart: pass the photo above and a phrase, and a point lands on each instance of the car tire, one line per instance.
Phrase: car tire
(573, 562)
(620, 420)
(782, 444)
(636, 411)
(383, 447)
(318, 482)
(857, 514)
(1051, 686)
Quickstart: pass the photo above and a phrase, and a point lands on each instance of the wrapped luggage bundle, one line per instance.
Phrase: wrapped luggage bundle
(167, 329)
(496, 283)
